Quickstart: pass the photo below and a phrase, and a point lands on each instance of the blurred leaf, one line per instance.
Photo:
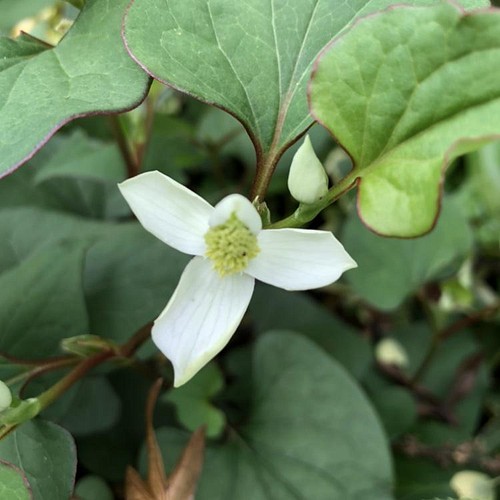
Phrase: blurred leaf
(298, 312)
(106, 455)
(252, 59)
(41, 302)
(395, 90)
(479, 193)
(13, 11)
(389, 270)
(421, 478)
(89, 407)
(46, 453)
(82, 175)
(285, 449)
(440, 377)
(93, 488)
(13, 483)
(395, 406)
(172, 148)
(223, 131)
(193, 402)
(88, 72)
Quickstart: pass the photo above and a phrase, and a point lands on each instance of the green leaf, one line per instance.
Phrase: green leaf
(420, 478)
(46, 453)
(479, 193)
(406, 91)
(82, 175)
(93, 488)
(193, 402)
(395, 406)
(88, 72)
(17, 51)
(298, 312)
(13, 11)
(293, 442)
(129, 278)
(439, 378)
(27, 230)
(389, 270)
(251, 58)
(89, 407)
(41, 302)
(13, 483)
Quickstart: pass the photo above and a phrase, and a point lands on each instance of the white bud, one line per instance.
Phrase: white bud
(391, 352)
(5, 396)
(307, 180)
(474, 485)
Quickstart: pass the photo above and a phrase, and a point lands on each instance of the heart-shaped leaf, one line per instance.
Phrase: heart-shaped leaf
(13, 483)
(88, 72)
(406, 91)
(251, 58)
(42, 302)
(46, 453)
(293, 443)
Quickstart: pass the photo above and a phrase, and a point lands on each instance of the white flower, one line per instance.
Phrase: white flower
(231, 250)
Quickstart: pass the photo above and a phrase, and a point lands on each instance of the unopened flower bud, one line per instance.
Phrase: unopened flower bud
(474, 485)
(391, 352)
(5, 396)
(307, 180)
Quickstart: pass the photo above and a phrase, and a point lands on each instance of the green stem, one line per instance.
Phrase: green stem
(264, 173)
(41, 369)
(79, 371)
(306, 213)
(440, 335)
(129, 158)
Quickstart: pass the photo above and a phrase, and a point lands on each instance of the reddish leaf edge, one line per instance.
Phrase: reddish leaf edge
(448, 156)
(70, 118)
(21, 473)
(259, 151)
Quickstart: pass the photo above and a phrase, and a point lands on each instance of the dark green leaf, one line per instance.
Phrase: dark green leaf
(128, 281)
(13, 483)
(296, 311)
(89, 407)
(46, 453)
(193, 402)
(93, 488)
(389, 270)
(82, 175)
(293, 443)
(41, 302)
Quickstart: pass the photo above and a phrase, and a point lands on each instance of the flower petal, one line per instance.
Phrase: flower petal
(242, 207)
(299, 259)
(170, 211)
(201, 317)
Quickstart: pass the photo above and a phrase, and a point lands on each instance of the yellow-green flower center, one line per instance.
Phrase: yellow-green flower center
(231, 246)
